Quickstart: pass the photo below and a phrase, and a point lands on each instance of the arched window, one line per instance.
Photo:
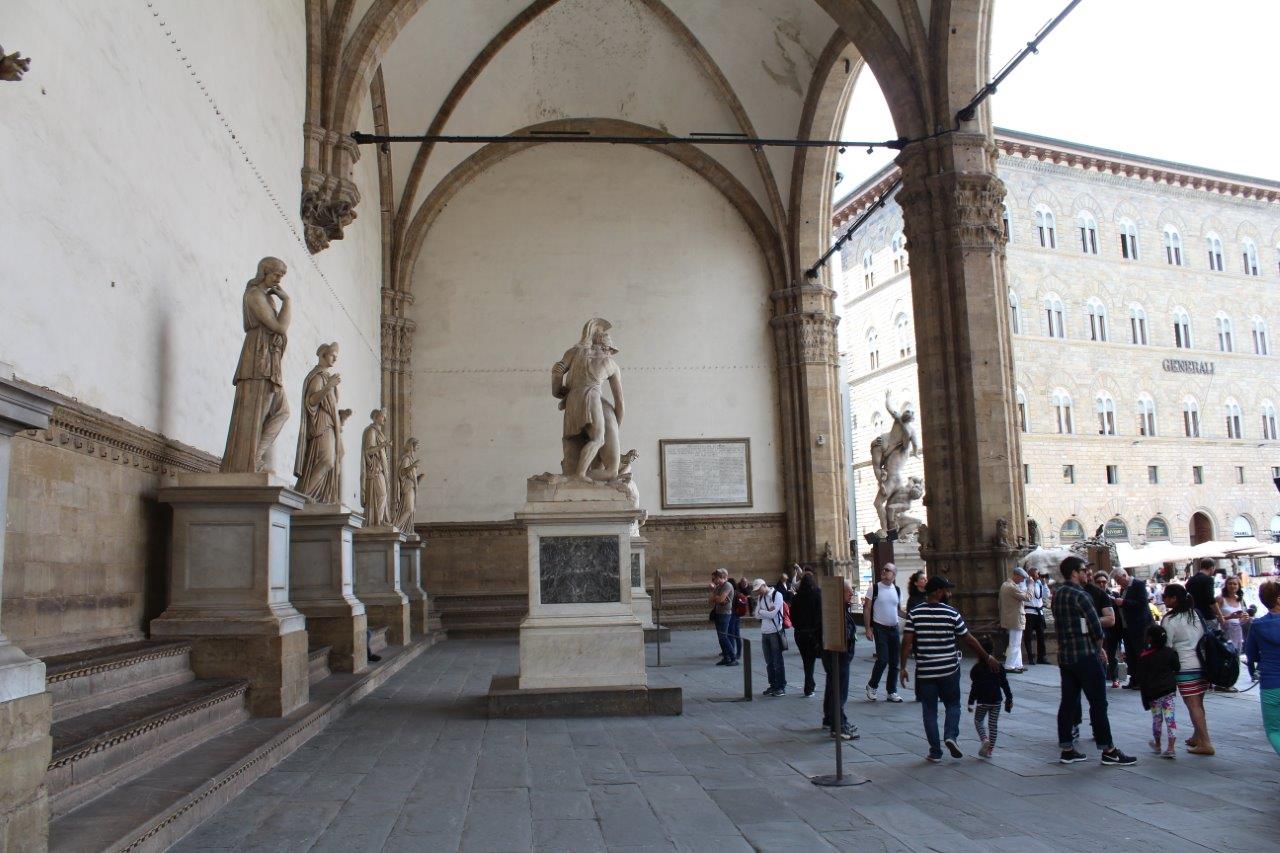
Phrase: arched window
(877, 423)
(1072, 531)
(1190, 417)
(1260, 345)
(1023, 423)
(1250, 253)
(1225, 343)
(1062, 411)
(1115, 528)
(1106, 410)
(902, 327)
(1128, 239)
(1097, 314)
(868, 270)
(1157, 529)
(1015, 322)
(899, 248)
(873, 349)
(1241, 527)
(1138, 324)
(1172, 246)
(1046, 227)
(1054, 316)
(1214, 244)
(1181, 328)
(1004, 218)
(1233, 420)
(1268, 421)
(1146, 415)
(1088, 232)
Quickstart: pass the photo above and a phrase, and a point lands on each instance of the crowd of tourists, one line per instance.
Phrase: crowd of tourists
(1177, 640)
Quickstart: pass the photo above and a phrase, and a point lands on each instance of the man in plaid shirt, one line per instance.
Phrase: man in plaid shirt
(1081, 664)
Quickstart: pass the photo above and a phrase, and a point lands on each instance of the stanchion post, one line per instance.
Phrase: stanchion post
(746, 670)
(657, 603)
(834, 645)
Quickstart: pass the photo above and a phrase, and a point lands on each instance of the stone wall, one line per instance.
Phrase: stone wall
(85, 555)
(492, 557)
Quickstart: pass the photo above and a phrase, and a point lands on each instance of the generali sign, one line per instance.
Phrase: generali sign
(1184, 365)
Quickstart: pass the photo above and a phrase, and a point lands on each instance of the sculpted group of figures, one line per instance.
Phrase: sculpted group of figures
(261, 409)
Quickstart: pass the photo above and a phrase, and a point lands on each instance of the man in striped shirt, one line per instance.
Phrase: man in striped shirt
(935, 628)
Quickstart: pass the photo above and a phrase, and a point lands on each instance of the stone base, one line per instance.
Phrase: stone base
(651, 635)
(507, 700)
(276, 666)
(344, 633)
(392, 614)
(582, 651)
(25, 750)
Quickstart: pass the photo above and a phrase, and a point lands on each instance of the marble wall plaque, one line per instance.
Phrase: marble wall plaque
(579, 569)
(698, 472)
(635, 569)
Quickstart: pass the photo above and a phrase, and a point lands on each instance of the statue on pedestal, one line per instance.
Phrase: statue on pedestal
(375, 471)
(318, 465)
(889, 453)
(408, 476)
(591, 423)
(260, 408)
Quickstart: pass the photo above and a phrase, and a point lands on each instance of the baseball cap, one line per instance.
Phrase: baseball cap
(935, 583)
(1021, 572)
(759, 582)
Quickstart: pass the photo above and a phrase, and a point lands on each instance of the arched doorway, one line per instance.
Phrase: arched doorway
(1201, 528)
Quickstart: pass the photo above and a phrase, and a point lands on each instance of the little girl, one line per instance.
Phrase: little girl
(1158, 680)
(985, 692)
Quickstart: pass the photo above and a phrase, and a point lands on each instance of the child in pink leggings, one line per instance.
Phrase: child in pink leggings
(1157, 677)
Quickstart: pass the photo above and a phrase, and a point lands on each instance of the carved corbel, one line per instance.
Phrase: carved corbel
(13, 66)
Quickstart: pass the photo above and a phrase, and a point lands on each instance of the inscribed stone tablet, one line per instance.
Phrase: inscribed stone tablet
(706, 473)
(833, 609)
(579, 569)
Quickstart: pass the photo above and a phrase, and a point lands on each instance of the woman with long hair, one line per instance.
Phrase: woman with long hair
(915, 589)
(1184, 628)
(806, 618)
(1235, 617)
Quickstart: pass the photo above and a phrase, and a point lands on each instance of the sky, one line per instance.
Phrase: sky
(1182, 80)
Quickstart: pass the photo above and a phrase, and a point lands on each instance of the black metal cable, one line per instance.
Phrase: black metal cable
(586, 136)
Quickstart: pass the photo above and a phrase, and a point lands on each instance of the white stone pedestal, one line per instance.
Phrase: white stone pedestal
(411, 583)
(321, 567)
(229, 586)
(580, 631)
(641, 602)
(377, 581)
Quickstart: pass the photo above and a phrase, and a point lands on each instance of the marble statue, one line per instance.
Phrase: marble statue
(260, 408)
(625, 477)
(889, 453)
(408, 477)
(898, 509)
(1033, 533)
(591, 439)
(375, 471)
(13, 66)
(318, 464)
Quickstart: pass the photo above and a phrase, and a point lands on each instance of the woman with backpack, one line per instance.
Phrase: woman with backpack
(1184, 628)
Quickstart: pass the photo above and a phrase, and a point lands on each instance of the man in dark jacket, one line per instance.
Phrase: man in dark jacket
(1135, 616)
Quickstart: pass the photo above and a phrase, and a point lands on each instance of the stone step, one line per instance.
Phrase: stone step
(95, 752)
(378, 641)
(81, 682)
(318, 664)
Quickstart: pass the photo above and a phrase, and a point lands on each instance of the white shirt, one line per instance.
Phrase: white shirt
(769, 611)
(1185, 631)
(1038, 595)
(884, 610)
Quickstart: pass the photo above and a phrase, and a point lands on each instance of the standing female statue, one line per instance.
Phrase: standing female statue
(375, 471)
(408, 476)
(318, 465)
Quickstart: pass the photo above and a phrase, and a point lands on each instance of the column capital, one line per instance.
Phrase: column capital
(22, 407)
(809, 337)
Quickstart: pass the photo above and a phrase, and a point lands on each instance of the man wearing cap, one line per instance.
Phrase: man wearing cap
(769, 612)
(933, 629)
(1013, 595)
(1033, 613)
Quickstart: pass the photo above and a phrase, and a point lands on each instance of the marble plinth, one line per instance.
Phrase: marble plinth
(641, 603)
(377, 581)
(506, 700)
(580, 631)
(321, 570)
(25, 750)
(229, 585)
(411, 583)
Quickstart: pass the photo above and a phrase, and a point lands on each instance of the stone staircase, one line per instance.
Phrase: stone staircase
(121, 710)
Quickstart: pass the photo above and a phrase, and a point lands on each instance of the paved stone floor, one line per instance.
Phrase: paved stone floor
(416, 766)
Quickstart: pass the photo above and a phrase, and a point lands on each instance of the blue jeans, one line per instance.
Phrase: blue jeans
(773, 660)
(888, 644)
(722, 634)
(1088, 676)
(735, 634)
(842, 666)
(929, 691)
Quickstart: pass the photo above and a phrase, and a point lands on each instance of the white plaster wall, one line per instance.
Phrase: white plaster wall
(132, 220)
(521, 258)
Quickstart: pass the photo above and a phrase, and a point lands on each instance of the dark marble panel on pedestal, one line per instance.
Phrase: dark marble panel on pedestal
(579, 569)
(635, 569)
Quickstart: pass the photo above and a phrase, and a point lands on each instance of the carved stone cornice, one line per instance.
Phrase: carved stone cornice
(329, 194)
(737, 521)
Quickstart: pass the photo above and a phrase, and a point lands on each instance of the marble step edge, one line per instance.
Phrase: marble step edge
(83, 664)
(318, 664)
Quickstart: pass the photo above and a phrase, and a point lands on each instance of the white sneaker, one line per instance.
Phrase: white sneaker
(894, 697)
(871, 694)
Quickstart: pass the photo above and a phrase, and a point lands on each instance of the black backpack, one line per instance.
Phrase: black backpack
(1219, 657)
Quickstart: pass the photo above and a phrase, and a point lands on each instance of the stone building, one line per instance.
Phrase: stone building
(1142, 304)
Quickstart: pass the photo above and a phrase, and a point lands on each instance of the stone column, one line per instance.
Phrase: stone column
(229, 586)
(25, 706)
(804, 326)
(377, 580)
(321, 567)
(951, 205)
(641, 603)
(411, 583)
